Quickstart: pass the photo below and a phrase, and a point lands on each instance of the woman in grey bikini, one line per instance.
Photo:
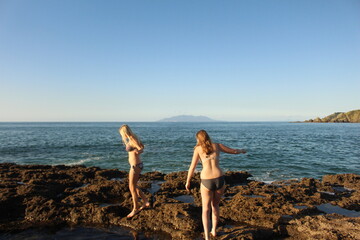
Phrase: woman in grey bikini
(134, 147)
(212, 178)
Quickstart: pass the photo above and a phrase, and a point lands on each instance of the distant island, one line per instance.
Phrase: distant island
(187, 118)
(339, 117)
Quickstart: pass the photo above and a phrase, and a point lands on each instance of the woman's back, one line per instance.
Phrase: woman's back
(210, 163)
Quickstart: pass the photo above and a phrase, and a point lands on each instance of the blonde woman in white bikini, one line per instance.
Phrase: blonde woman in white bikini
(134, 147)
(212, 178)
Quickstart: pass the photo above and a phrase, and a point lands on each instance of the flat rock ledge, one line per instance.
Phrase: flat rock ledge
(34, 196)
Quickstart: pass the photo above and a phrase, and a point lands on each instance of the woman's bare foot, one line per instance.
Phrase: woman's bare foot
(145, 205)
(133, 213)
(213, 233)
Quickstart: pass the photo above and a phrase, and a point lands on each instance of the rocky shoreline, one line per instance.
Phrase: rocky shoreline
(33, 196)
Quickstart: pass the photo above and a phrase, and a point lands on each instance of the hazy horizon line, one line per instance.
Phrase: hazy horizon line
(154, 121)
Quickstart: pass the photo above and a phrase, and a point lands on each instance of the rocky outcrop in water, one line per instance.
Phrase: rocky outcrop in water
(339, 117)
(40, 195)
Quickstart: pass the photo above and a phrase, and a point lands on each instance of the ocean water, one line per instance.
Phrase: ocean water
(276, 150)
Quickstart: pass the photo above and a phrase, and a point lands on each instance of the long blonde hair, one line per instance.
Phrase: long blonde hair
(128, 136)
(204, 142)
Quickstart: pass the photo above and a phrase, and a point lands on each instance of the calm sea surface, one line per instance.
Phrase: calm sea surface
(276, 150)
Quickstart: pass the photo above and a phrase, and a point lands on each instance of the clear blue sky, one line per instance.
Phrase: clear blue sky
(146, 60)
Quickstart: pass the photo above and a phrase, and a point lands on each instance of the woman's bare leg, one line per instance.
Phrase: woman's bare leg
(133, 179)
(206, 199)
(139, 192)
(215, 209)
(146, 203)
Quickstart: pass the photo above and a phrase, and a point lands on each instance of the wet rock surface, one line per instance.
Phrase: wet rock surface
(34, 196)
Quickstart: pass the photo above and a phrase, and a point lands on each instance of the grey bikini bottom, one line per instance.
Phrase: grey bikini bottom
(214, 183)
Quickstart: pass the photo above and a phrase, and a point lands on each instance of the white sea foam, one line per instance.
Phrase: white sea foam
(83, 161)
(268, 182)
(80, 162)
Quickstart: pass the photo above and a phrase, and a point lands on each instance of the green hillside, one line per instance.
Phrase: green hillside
(339, 117)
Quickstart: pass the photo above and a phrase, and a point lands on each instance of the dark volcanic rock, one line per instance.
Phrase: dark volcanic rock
(324, 227)
(41, 195)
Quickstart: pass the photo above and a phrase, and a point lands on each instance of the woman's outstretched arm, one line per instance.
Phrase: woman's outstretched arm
(194, 162)
(226, 149)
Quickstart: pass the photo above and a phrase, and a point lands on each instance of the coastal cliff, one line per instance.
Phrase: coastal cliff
(33, 196)
(339, 117)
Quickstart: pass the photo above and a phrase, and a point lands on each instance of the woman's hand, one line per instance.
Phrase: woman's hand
(187, 186)
(241, 151)
(139, 151)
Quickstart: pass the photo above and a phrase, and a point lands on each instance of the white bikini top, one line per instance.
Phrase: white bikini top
(212, 156)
